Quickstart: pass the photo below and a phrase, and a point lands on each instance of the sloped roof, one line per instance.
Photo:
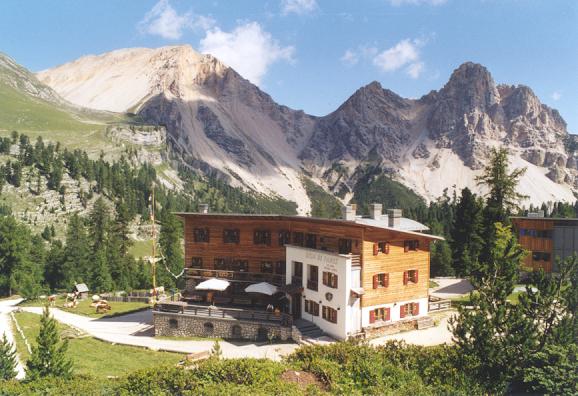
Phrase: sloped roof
(81, 287)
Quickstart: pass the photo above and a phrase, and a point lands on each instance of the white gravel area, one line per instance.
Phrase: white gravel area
(7, 306)
(436, 335)
(451, 287)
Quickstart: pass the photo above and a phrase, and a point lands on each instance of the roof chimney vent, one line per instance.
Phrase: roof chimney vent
(394, 217)
(375, 211)
(348, 212)
(204, 208)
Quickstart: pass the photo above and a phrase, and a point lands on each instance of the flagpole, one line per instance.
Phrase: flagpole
(154, 237)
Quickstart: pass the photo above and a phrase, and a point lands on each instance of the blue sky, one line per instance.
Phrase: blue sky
(313, 54)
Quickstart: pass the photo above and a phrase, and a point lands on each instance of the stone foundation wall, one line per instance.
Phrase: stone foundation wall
(177, 325)
(390, 328)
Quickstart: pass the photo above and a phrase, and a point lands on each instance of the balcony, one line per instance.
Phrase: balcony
(236, 276)
(313, 284)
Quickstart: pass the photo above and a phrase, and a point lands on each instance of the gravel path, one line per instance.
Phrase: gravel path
(436, 335)
(7, 306)
(136, 329)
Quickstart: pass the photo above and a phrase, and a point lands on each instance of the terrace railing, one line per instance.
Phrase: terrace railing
(282, 319)
(241, 276)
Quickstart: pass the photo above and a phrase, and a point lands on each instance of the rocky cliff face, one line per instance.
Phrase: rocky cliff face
(221, 123)
(444, 138)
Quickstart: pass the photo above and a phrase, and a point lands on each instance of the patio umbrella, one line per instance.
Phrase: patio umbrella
(213, 284)
(262, 288)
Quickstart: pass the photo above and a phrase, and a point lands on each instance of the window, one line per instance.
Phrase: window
(230, 236)
(236, 331)
(311, 241)
(297, 269)
(280, 267)
(410, 277)
(411, 245)
(379, 315)
(380, 280)
(313, 279)
(173, 324)
(410, 309)
(262, 237)
(240, 265)
(540, 256)
(298, 238)
(380, 247)
(196, 262)
(208, 327)
(344, 246)
(329, 314)
(547, 234)
(312, 307)
(221, 264)
(267, 267)
(201, 235)
(284, 237)
(330, 279)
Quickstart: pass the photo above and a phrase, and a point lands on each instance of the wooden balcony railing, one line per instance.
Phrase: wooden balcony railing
(282, 319)
(240, 276)
(313, 285)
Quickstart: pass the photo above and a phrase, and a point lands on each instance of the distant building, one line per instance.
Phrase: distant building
(546, 239)
(346, 277)
(82, 290)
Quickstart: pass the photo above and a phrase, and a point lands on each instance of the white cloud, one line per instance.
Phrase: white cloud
(556, 95)
(300, 7)
(248, 49)
(403, 53)
(398, 3)
(162, 20)
(414, 70)
(350, 58)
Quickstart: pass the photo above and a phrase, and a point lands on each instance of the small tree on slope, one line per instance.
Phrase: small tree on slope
(7, 359)
(49, 356)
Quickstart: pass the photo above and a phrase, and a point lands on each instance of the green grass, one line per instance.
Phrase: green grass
(84, 308)
(514, 298)
(323, 204)
(94, 357)
(141, 248)
(433, 284)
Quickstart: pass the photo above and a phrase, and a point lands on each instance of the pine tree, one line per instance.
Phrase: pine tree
(441, 259)
(7, 359)
(171, 249)
(76, 265)
(100, 278)
(502, 197)
(48, 357)
(466, 233)
(494, 336)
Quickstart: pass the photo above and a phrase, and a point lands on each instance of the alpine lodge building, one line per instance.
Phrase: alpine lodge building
(262, 277)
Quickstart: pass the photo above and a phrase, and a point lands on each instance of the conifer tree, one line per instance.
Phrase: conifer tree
(48, 357)
(7, 359)
(171, 249)
(466, 232)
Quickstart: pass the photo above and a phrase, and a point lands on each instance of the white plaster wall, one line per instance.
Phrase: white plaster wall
(331, 262)
(394, 310)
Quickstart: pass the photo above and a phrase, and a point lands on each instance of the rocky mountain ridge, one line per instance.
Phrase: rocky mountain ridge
(222, 124)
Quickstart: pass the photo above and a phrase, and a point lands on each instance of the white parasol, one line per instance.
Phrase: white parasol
(263, 288)
(213, 284)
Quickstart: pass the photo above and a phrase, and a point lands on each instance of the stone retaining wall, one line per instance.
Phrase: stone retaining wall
(178, 325)
(390, 328)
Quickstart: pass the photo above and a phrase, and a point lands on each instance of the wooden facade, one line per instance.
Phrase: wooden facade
(406, 251)
(535, 235)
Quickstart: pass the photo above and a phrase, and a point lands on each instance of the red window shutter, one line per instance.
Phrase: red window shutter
(416, 272)
(416, 309)
(386, 314)
(375, 282)
(386, 280)
(387, 248)
(375, 249)
(405, 277)
(371, 316)
(406, 246)
(402, 311)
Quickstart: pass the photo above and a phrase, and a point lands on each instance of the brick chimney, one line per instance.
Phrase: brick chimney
(375, 211)
(348, 212)
(394, 217)
(204, 208)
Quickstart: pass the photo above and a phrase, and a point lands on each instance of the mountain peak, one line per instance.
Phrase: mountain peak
(473, 85)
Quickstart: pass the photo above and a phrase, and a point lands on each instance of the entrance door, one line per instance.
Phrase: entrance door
(296, 306)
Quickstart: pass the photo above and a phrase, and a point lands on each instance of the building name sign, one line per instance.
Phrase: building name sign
(328, 262)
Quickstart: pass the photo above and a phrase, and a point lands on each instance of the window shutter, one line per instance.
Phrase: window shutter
(371, 316)
(405, 277)
(386, 280)
(416, 272)
(375, 249)
(416, 309)
(325, 278)
(406, 246)
(402, 310)
(416, 244)
(375, 282)
(387, 248)
(386, 315)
